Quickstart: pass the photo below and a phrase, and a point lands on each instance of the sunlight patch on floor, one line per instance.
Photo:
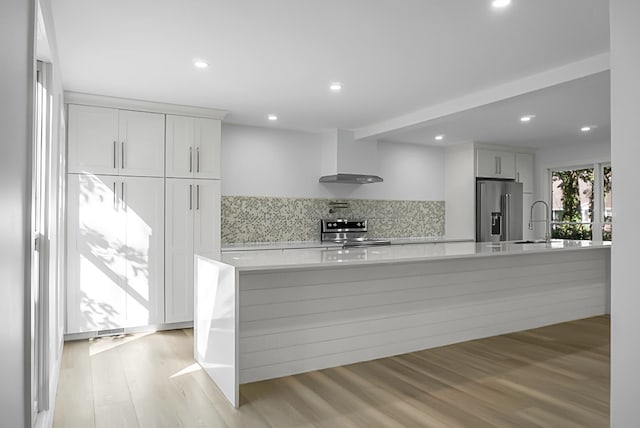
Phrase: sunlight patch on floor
(102, 344)
(190, 369)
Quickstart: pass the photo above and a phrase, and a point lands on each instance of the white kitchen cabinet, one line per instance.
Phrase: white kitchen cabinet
(495, 164)
(143, 205)
(193, 147)
(524, 171)
(141, 143)
(93, 140)
(192, 227)
(115, 252)
(118, 142)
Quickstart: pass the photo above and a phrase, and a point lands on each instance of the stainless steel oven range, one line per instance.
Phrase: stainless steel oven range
(348, 232)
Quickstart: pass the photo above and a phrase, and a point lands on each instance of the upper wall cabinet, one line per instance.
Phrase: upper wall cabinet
(193, 147)
(495, 164)
(115, 142)
(524, 171)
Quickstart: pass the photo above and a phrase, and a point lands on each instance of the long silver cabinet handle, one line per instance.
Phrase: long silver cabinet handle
(115, 198)
(190, 197)
(190, 159)
(122, 198)
(197, 196)
(122, 159)
(115, 150)
(198, 159)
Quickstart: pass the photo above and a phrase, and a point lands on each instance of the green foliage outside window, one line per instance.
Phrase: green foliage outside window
(569, 184)
(606, 230)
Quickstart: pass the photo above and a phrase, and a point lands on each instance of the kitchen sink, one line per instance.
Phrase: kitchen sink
(535, 241)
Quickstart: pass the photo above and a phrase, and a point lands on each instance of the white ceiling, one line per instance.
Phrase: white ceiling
(560, 112)
(394, 57)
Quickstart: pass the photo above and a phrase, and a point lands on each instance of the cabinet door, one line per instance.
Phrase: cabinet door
(207, 156)
(507, 165)
(524, 171)
(207, 218)
(93, 140)
(179, 205)
(180, 154)
(486, 164)
(96, 298)
(143, 207)
(495, 164)
(141, 145)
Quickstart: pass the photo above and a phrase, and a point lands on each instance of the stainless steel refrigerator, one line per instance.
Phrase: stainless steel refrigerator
(498, 210)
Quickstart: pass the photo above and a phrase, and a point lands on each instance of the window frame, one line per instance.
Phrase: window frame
(598, 216)
(603, 219)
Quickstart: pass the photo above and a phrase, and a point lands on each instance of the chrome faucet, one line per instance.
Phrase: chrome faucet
(547, 224)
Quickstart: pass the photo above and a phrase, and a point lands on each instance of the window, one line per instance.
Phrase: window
(607, 212)
(581, 202)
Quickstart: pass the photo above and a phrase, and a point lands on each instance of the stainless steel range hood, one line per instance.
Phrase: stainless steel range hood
(350, 178)
(347, 161)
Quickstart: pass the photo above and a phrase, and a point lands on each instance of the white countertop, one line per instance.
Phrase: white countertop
(252, 246)
(288, 258)
(291, 245)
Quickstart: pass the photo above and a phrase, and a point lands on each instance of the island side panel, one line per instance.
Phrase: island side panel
(293, 321)
(216, 324)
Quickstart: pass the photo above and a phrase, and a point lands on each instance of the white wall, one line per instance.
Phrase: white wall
(56, 228)
(460, 191)
(625, 269)
(17, 32)
(269, 162)
(410, 172)
(16, 87)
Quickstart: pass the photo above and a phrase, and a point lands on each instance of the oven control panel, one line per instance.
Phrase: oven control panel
(343, 225)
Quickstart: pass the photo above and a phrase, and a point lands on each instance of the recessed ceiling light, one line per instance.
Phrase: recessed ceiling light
(336, 86)
(500, 3)
(200, 63)
(585, 129)
(272, 117)
(527, 118)
(439, 137)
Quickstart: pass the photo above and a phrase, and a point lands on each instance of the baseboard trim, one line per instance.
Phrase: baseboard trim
(129, 330)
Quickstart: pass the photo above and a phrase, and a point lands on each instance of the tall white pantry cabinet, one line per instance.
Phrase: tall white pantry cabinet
(193, 197)
(143, 198)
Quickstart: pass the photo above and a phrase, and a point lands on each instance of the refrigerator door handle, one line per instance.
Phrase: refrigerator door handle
(506, 209)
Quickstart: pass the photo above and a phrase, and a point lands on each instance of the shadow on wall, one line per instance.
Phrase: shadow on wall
(114, 276)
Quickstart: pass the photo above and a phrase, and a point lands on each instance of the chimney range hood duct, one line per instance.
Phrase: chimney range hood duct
(345, 160)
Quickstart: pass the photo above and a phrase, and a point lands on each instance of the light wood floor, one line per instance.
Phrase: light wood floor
(555, 376)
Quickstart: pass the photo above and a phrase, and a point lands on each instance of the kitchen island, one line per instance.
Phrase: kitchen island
(271, 313)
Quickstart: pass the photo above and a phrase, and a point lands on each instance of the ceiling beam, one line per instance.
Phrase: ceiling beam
(551, 77)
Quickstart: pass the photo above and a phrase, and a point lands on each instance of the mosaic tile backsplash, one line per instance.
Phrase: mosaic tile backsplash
(251, 219)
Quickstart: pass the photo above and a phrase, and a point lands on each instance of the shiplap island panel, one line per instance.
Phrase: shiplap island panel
(271, 313)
